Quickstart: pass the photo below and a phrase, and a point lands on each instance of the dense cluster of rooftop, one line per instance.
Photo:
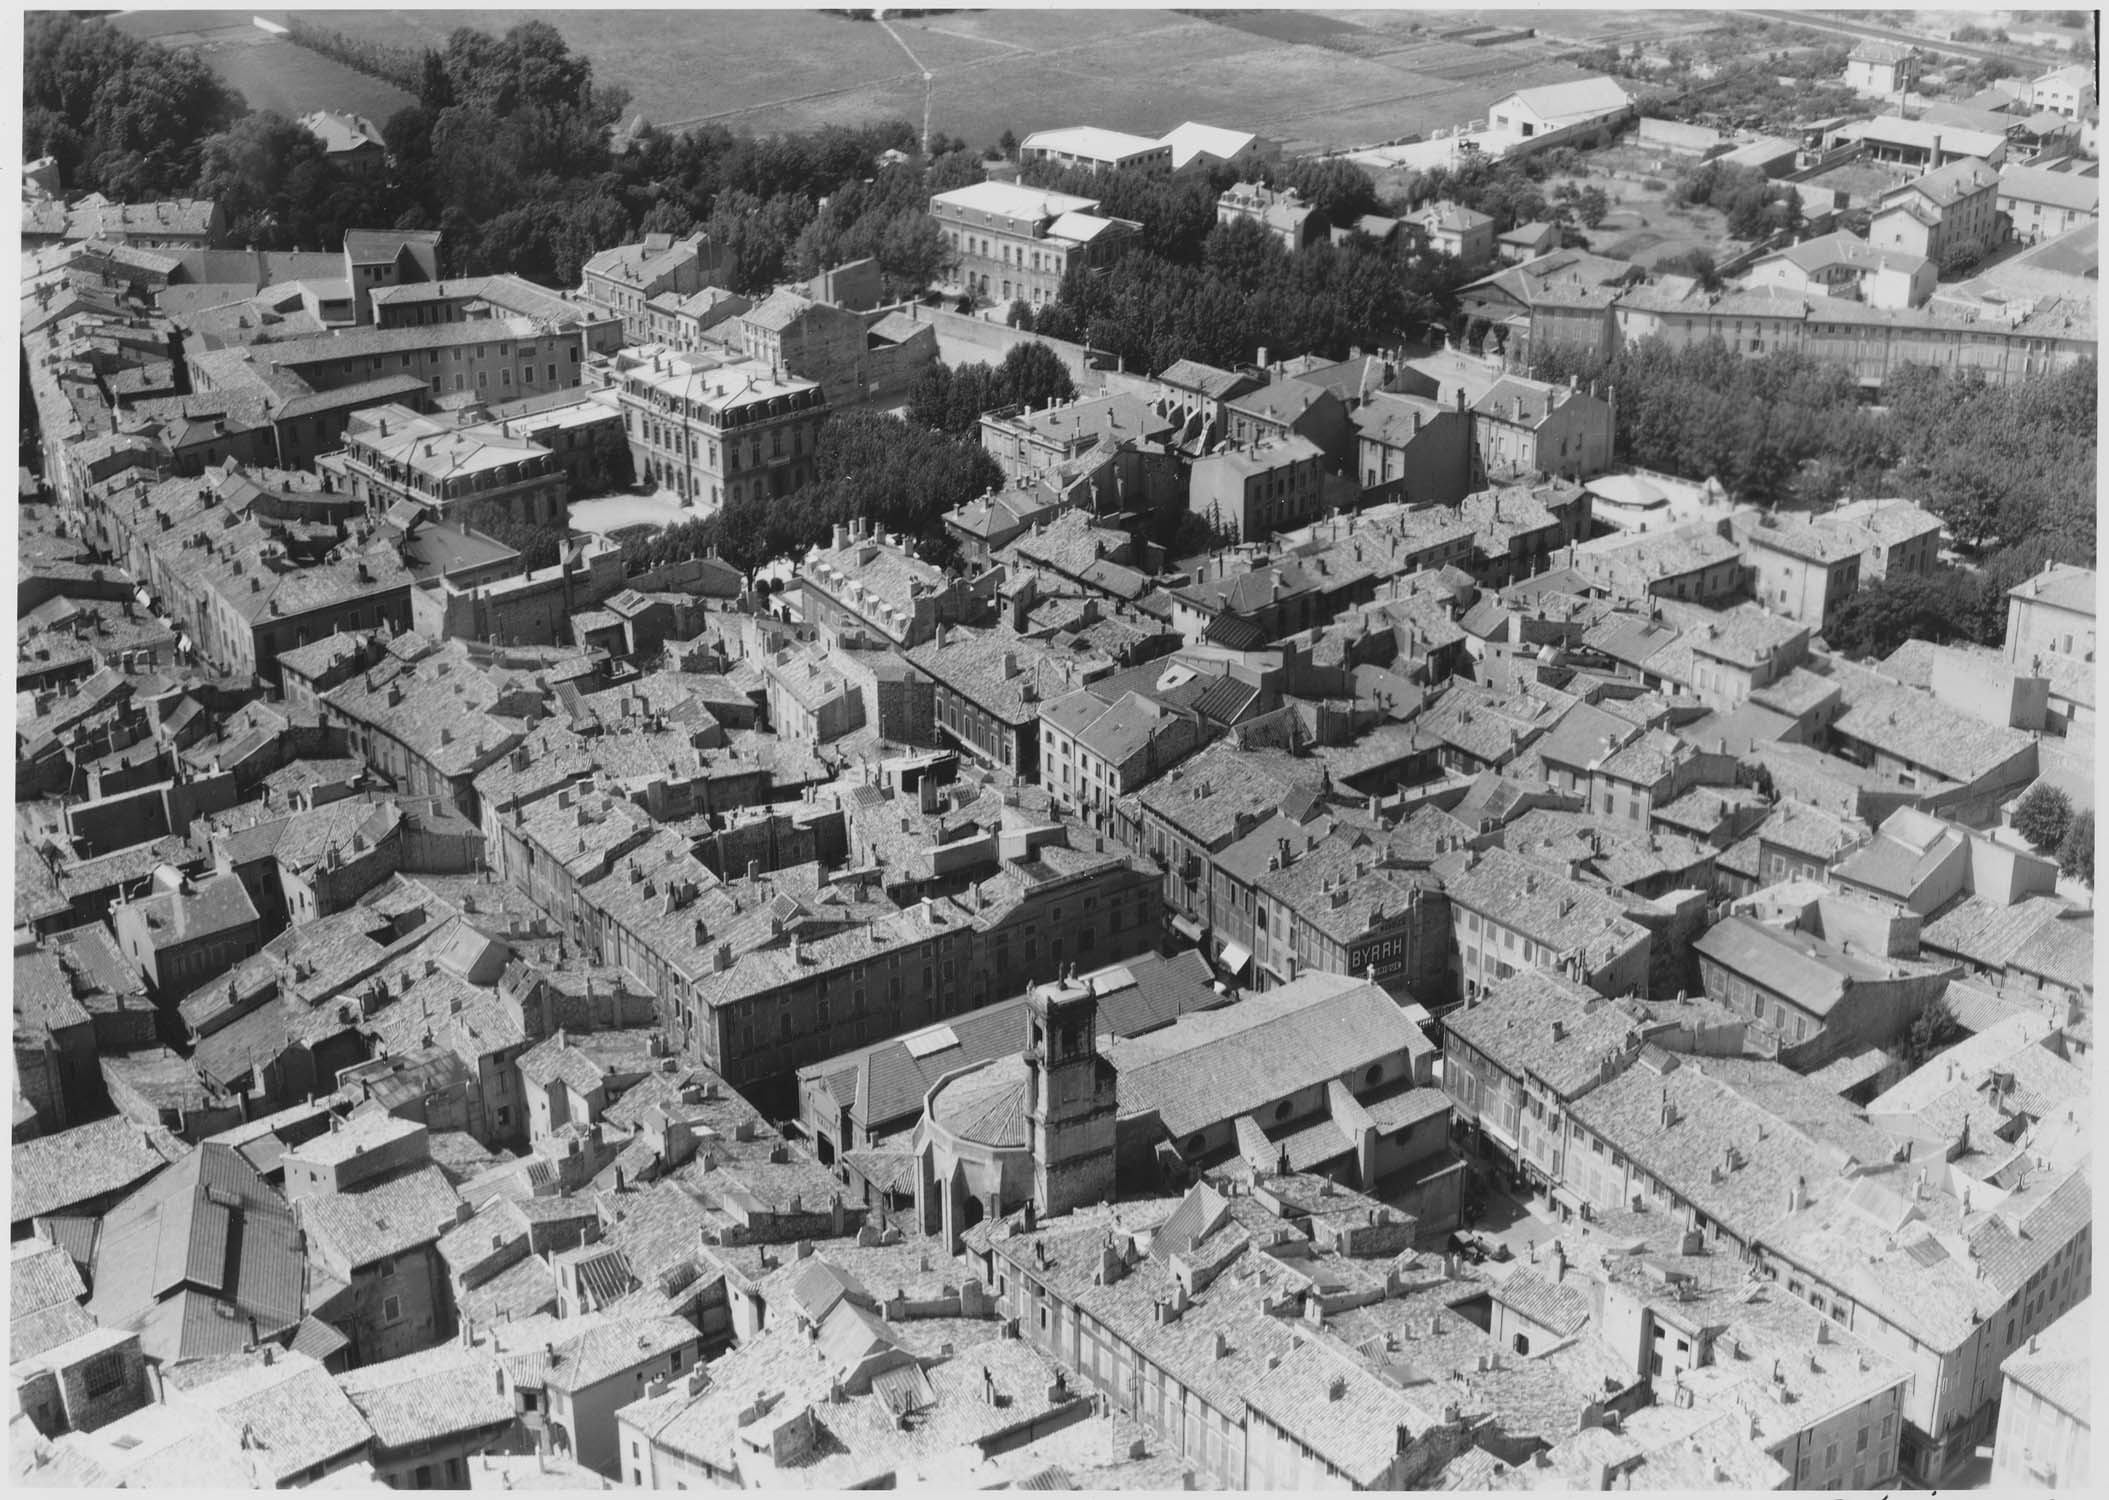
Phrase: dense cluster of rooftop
(1037, 1022)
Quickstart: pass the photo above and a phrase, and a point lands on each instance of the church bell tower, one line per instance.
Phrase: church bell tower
(1070, 1100)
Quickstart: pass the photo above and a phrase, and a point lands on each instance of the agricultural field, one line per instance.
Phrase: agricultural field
(268, 71)
(1580, 28)
(1313, 80)
(684, 66)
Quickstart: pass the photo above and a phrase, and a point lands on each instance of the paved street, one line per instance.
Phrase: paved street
(1974, 1475)
(1506, 1218)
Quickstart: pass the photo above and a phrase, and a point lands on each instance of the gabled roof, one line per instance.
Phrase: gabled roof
(1444, 216)
(2057, 1365)
(1920, 729)
(818, 1284)
(1543, 1025)
(217, 904)
(1209, 1067)
(210, 1227)
(1817, 540)
(603, 1348)
(1559, 1306)
(379, 246)
(1545, 906)
(2060, 585)
(1342, 1410)
(431, 1396)
(1206, 380)
(1902, 857)
(780, 310)
(1283, 401)
(1946, 186)
(1536, 232)
(1091, 141)
(1797, 826)
(54, 1172)
(1515, 398)
(30, 1334)
(1191, 139)
(1824, 251)
(383, 1221)
(1582, 99)
(1808, 971)
(1226, 699)
(1942, 1280)
(292, 1410)
(343, 132)
(41, 1275)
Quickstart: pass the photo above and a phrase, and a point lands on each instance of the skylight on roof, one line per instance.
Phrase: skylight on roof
(931, 1042)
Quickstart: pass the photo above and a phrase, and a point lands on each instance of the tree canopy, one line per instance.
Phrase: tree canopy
(2076, 850)
(2001, 464)
(1933, 1030)
(2044, 817)
(901, 477)
(1754, 207)
(270, 177)
(1765, 78)
(1249, 293)
(885, 218)
(1884, 613)
(508, 151)
(124, 118)
(1507, 188)
(2009, 469)
(1177, 210)
(1708, 412)
(953, 400)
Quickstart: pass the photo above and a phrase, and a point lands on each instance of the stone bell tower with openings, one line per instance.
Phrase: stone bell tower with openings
(1070, 1098)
